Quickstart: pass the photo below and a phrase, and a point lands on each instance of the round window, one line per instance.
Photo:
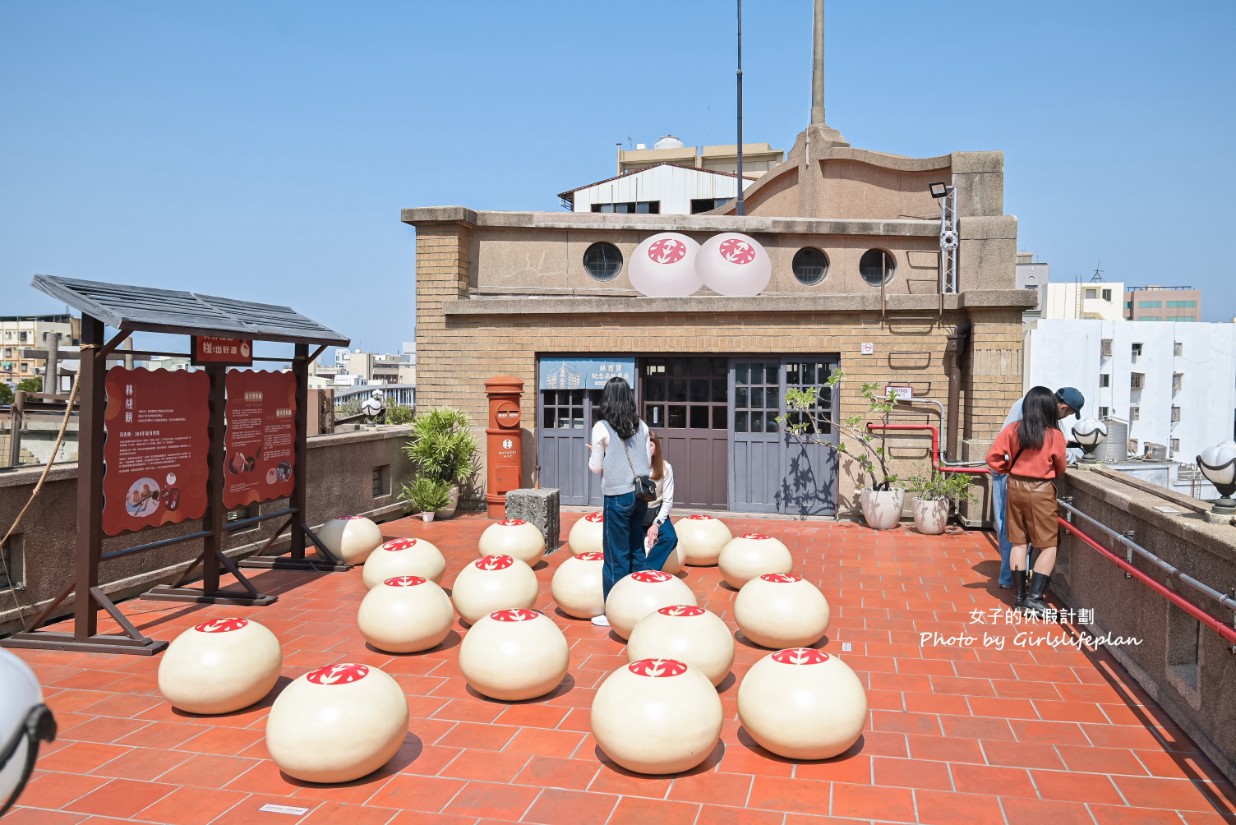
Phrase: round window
(877, 267)
(810, 266)
(603, 261)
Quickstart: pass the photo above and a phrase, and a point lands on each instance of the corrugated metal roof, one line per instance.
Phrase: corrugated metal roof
(148, 309)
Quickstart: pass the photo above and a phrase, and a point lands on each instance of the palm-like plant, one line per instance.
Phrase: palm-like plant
(442, 447)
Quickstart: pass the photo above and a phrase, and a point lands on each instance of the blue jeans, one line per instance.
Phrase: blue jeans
(622, 539)
(667, 540)
(999, 507)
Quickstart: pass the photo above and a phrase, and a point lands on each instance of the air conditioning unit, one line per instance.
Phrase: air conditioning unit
(1156, 452)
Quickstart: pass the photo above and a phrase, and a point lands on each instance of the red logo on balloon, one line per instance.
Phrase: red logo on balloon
(221, 625)
(781, 578)
(800, 656)
(593, 556)
(595, 518)
(651, 576)
(756, 536)
(682, 610)
(404, 581)
(658, 667)
(494, 563)
(511, 522)
(667, 251)
(516, 614)
(338, 674)
(399, 544)
(699, 517)
(737, 251)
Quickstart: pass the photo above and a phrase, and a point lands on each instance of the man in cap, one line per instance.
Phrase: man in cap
(1069, 403)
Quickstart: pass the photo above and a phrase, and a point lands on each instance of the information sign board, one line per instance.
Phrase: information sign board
(260, 444)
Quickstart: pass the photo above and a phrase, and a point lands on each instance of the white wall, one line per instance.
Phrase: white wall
(1067, 353)
(674, 186)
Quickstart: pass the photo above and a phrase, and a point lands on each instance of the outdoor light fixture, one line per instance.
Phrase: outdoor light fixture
(940, 190)
(1090, 433)
(1218, 464)
(950, 238)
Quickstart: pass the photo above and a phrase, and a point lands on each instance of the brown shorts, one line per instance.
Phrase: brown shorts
(1032, 512)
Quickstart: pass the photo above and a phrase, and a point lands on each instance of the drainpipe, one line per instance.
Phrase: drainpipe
(954, 351)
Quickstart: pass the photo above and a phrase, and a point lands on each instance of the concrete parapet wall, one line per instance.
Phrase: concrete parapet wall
(1189, 669)
(344, 469)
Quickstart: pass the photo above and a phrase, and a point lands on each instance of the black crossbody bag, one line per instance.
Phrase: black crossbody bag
(645, 487)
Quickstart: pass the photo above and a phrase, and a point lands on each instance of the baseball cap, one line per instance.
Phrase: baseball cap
(1071, 397)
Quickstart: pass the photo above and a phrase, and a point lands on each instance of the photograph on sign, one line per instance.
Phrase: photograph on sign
(260, 440)
(155, 454)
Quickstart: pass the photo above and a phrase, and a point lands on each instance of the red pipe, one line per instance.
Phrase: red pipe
(935, 447)
(1185, 605)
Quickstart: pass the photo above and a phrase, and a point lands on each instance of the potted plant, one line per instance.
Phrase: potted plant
(937, 494)
(806, 420)
(442, 448)
(426, 496)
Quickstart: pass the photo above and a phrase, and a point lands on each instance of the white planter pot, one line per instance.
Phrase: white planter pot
(931, 517)
(881, 508)
(427, 516)
(449, 509)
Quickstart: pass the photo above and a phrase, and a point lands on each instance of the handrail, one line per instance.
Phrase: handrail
(935, 447)
(1228, 633)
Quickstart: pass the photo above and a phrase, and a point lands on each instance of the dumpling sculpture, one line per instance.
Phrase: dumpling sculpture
(220, 666)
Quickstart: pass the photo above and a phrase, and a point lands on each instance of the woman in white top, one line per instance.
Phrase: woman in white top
(660, 539)
(619, 453)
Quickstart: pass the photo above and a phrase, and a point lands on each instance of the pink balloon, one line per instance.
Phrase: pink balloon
(734, 264)
(663, 266)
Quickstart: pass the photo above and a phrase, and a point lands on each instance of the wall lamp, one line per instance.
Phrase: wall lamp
(940, 190)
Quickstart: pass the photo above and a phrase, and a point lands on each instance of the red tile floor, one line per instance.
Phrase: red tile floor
(957, 733)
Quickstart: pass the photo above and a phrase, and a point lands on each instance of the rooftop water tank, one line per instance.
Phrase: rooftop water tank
(668, 142)
(1116, 446)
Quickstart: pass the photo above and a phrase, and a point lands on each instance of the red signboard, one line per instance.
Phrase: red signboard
(260, 444)
(156, 449)
(208, 349)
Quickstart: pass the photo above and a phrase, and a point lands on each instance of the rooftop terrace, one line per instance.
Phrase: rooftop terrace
(1009, 731)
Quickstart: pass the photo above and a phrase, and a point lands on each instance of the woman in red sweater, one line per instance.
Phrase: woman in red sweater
(1031, 452)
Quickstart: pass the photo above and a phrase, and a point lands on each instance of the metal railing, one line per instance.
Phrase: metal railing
(1126, 564)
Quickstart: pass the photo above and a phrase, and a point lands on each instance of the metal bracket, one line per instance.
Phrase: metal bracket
(1131, 535)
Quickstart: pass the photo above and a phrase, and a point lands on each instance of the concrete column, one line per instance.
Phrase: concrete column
(817, 68)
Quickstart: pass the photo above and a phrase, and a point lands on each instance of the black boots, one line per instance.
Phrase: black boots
(1019, 589)
(1034, 603)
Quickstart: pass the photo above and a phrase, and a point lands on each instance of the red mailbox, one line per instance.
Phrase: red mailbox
(504, 450)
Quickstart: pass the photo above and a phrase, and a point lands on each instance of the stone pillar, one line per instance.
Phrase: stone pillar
(539, 507)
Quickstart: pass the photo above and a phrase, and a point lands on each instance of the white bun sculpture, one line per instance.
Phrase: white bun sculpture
(513, 537)
(635, 596)
(663, 266)
(754, 554)
(779, 610)
(405, 614)
(351, 538)
(577, 585)
(337, 723)
(701, 538)
(220, 666)
(687, 633)
(493, 583)
(403, 557)
(802, 703)
(657, 716)
(734, 264)
(511, 655)
(586, 534)
(674, 561)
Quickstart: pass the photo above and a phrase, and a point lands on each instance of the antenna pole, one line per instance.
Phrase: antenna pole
(741, 205)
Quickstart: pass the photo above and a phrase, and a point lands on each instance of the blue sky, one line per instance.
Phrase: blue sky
(264, 150)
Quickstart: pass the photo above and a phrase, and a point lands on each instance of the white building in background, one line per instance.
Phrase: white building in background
(1101, 300)
(673, 179)
(1174, 383)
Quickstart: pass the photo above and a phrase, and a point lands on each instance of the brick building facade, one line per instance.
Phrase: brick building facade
(504, 292)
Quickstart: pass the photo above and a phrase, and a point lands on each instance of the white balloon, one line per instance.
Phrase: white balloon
(734, 264)
(663, 266)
